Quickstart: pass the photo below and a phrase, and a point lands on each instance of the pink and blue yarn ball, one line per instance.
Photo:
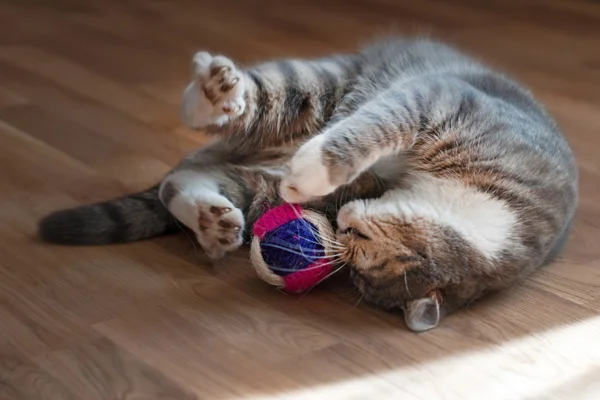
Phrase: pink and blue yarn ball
(290, 248)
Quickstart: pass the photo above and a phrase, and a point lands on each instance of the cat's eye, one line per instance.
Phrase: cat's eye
(357, 233)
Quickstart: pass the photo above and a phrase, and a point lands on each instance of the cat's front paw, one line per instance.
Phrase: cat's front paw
(307, 176)
(216, 93)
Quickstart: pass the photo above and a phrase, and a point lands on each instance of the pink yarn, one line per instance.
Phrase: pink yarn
(275, 218)
(305, 279)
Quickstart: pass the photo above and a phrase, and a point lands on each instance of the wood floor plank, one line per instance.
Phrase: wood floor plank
(211, 363)
(100, 370)
(93, 116)
(84, 81)
(574, 282)
(20, 379)
(33, 328)
(68, 137)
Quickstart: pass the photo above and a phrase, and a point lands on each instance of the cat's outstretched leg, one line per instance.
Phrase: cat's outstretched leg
(218, 203)
(271, 103)
(386, 125)
(195, 199)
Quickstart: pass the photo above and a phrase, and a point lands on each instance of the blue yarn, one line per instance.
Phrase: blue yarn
(299, 237)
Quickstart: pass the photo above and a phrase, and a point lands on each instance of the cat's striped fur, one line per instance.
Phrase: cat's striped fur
(444, 179)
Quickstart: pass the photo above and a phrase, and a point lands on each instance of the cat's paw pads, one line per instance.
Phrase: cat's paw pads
(307, 177)
(216, 94)
(220, 226)
(221, 82)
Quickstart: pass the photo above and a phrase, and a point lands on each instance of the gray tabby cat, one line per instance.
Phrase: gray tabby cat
(445, 180)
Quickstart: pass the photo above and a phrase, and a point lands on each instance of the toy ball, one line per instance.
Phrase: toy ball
(291, 248)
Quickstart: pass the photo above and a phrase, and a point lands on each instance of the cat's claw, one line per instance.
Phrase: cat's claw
(216, 93)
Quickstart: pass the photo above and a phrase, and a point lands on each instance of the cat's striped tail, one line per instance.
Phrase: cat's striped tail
(126, 219)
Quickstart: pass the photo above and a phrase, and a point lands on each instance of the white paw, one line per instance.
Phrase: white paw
(217, 223)
(216, 93)
(220, 226)
(307, 177)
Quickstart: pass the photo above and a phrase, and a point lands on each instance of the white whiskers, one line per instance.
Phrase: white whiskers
(326, 277)
(331, 262)
(406, 284)
(330, 241)
(298, 253)
(335, 246)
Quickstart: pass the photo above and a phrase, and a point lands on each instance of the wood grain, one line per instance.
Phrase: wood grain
(89, 94)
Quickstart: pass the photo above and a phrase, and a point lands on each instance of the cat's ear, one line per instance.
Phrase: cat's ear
(423, 314)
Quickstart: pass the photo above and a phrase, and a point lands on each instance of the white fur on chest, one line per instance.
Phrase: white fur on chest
(486, 223)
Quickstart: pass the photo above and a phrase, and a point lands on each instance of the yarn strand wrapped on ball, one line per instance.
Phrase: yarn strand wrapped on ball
(291, 248)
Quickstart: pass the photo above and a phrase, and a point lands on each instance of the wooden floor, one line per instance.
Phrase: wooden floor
(89, 91)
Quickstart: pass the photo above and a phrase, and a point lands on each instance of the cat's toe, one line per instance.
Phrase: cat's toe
(216, 94)
(224, 86)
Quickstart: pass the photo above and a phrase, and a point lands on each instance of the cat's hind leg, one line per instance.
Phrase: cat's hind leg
(219, 203)
(196, 199)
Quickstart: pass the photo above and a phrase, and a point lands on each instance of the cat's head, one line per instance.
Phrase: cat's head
(397, 264)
